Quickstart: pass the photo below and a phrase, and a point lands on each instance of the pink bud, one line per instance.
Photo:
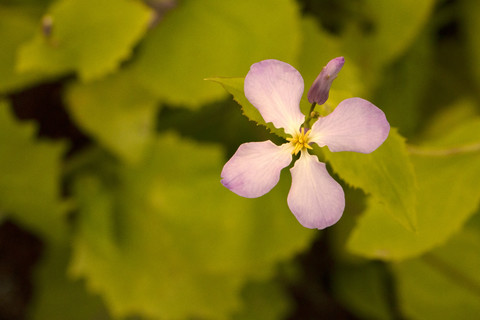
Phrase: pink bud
(318, 92)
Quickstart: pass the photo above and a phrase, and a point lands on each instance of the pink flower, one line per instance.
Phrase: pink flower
(275, 89)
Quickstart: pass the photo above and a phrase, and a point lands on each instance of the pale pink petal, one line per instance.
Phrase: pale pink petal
(255, 168)
(355, 125)
(275, 89)
(316, 200)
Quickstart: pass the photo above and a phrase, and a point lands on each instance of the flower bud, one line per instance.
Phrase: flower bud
(318, 92)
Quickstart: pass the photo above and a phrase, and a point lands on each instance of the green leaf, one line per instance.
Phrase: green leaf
(201, 39)
(444, 284)
(195, 242)
(387, 174)
(447, 172)
(117, 112)
(234, 86)
(90, 37)
(23, 22)
(30, 183)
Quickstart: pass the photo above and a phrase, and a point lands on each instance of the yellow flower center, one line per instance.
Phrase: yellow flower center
(300, 141)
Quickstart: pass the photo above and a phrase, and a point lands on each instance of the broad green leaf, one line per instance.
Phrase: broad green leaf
(362, 289)
(23, 22)
(117, 112)
(387, 174)
(90, 37)
(444, 284)
(208, 38)
(57, 296)
(30, 178)
(447, 172)
(194, 242)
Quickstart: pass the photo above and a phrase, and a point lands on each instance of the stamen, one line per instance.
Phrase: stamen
(300, 141)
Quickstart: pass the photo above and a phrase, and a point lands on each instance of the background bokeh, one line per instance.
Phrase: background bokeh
(112, 142)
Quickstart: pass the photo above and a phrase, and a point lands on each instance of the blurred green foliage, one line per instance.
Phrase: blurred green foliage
(117, 170)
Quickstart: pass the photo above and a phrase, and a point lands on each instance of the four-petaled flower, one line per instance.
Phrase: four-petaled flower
(275, 89)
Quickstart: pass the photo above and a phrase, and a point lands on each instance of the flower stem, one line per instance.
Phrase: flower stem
(309, 117)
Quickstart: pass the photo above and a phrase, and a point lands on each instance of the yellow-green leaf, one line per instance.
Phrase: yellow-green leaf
(30, 178)
(208, 38)
(117, 112)
(195, 243)
(387, 174)
(443, 284)
(23, 22)
(90, 37)
(447, 172)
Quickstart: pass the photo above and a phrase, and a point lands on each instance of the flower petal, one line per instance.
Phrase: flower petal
(255, 168)
(318, 92)
(355, 125)
(316, 200)
(275, 89)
